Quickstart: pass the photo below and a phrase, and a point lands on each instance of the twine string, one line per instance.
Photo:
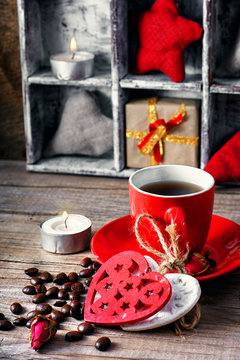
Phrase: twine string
(189, 321)
(171, 256)
(172, 260)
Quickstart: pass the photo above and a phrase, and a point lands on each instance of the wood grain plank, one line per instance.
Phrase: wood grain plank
(8, 170)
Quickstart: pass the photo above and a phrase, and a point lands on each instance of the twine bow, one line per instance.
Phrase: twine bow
(152, 142)
(172, 259)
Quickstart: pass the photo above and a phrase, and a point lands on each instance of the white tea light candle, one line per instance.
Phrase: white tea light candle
(75, 65)
(65, 235)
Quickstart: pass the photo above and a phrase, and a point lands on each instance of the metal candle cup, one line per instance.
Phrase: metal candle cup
(75, 66)
(58, 239)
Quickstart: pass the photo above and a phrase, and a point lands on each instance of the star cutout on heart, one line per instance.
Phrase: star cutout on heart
(163, 37)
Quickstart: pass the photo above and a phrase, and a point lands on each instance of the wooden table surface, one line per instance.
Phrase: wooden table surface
(26, 199)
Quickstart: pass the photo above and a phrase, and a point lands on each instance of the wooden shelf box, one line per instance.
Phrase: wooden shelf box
(104, 28)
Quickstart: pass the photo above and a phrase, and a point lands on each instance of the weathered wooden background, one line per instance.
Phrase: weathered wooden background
(12, 144)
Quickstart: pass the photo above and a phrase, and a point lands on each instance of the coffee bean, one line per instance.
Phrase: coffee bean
(63, 294)
(86, 262)
(74, 295)
(67, 286)
(29, 290)
(43, 308)
(29, 323)
(16, 308)
(94, 266)
(31, 271)
(75, 310)
(88, 281)
(32, 314)
(46, 276)
(85, 328)
(38, 298)
(21, 321)
(60, 303)
(103, 343)
(52, 292)
(2, 316)
(41, 289)
(5, 325)
(73, 277)
(75, 304)
(66, 310)
(73, 336)
(78, 287)
(60, 278)
(85, 273)
(57, 315)
(76, 313)
(36, 280)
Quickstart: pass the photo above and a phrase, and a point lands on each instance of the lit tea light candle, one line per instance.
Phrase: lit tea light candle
(69, 233)
(74, 65)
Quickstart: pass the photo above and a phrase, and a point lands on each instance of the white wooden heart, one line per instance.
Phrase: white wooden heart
(185, 294)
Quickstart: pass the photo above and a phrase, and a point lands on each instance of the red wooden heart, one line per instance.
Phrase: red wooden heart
(123, 291)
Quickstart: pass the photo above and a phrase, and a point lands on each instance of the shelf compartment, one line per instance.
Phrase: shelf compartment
(225, 32)
(47, 103)
(193, 52)
(45, 77)
(225, 119)
(49, 26)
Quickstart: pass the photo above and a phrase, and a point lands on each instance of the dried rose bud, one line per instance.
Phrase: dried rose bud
(198, 264)
(43, 329)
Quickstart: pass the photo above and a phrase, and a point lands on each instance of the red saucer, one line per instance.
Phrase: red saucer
(223, 242)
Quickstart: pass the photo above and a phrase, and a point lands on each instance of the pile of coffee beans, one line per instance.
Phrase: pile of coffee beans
(69, 292)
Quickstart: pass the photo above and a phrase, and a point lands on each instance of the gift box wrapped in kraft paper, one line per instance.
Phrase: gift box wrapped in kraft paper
(162, 131)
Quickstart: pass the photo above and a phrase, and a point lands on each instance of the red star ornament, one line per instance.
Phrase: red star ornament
(163, 36)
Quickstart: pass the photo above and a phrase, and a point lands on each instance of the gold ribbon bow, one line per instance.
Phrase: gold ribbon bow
(152, 141)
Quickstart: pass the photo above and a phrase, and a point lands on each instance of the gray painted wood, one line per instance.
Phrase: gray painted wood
(105, 29)
(161, 82)
(119, 19)
(225, 86)
(45, 77)
(205, 142)
(79, 165)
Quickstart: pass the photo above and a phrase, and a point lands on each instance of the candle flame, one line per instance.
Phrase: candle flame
(65, 216)
(73, 44)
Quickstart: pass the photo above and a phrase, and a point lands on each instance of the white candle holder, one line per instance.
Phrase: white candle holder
(76, 66)
(56, 238)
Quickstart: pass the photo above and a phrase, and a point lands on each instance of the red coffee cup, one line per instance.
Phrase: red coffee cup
(191, 213)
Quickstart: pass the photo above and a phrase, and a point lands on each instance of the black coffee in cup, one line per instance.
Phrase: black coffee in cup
(171, 188)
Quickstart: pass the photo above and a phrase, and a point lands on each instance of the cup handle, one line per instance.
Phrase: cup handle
(176, 215)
